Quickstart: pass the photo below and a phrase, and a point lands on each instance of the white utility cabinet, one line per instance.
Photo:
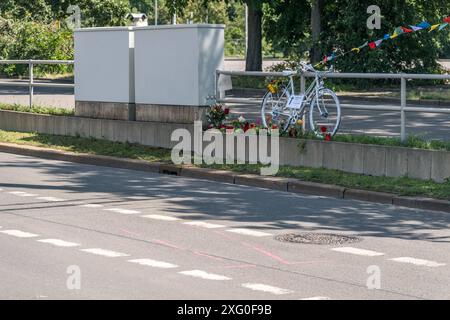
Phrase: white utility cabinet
(175, 65)
(104, 65)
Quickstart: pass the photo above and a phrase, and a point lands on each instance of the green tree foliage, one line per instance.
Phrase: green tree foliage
(34, 40)
(37, 29)
(287, 27)
(94, 13)
(35, 10)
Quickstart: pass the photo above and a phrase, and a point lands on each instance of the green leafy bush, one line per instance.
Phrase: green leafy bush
(24, 40)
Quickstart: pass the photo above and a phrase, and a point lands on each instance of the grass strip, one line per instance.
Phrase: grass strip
(401, 186)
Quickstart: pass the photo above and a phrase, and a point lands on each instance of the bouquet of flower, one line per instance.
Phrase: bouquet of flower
(217, 115)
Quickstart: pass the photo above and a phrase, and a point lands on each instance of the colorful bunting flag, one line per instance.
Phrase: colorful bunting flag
(397, 32)
(434, 27)
(379, 42)
(364, 45)
(443, 26)
(406, 30)
(424, 25)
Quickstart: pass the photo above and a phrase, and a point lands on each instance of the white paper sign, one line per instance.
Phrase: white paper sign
(295, 102)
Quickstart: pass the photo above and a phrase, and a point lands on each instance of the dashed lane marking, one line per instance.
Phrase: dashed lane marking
(105, 253)
(249, 232)
(59, 243)
(418, 262)
(122, 211)
(316, 298)
(50, 199)
(266, 288)
(154, 263)
(159, 217)
(359, 252)
(202, 224)
(204, 275)
(19, 234)
(91, 205)
(22, 194)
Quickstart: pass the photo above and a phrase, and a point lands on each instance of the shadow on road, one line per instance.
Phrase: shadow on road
(196, 199)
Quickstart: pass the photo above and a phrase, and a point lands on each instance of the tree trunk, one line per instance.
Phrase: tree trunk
(316, 28)
(254, 46)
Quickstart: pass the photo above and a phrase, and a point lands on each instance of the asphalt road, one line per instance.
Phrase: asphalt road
(131, 235)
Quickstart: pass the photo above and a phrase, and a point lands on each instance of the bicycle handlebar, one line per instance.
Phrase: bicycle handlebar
(304, 67)
(309, 68)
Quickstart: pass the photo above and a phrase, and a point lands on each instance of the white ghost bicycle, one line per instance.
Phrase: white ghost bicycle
(282, 107)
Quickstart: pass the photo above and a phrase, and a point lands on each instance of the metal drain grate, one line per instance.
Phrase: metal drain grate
(318, 238)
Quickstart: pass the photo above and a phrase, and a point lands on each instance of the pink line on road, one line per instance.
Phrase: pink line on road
(207, 256)
(240, 266)
(198, 253)
(267, 253)
(263, 251)
(130, 232)
(165, 243)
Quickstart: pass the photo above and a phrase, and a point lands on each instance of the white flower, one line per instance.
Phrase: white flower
(242, 119)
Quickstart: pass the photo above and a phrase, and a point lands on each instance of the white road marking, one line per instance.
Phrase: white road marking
(357, 251)
(266, 288)
(59, 243)
(159, 217)
(316, 298)
(204, 224)
(204, 275)
(249, 232)
(154, 263)
(137, 198)
(19, 234)
(418, 262)
(122, 211)
(91, 205)
(50, 199)
(105, 253)
(22, 194)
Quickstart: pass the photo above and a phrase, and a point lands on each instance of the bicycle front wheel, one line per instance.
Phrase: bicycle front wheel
(275, 112)
(325, 114)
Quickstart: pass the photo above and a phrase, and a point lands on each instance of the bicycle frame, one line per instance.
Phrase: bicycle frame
(286, 107)
(312, 91)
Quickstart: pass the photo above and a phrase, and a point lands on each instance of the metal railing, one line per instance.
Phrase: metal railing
(403, 77)
(30, 83)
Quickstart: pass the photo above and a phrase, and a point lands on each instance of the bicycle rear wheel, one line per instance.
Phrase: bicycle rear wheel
(274, 110)
(325, 114)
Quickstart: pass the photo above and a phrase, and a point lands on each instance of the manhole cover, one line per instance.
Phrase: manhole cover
(318, 238)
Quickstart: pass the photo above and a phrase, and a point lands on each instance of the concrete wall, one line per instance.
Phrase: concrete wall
(348, 157)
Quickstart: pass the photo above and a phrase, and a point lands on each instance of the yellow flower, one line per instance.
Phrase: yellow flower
(300, 122)
(272, 88)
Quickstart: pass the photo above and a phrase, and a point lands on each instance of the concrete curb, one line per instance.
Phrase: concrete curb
(273, 183)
